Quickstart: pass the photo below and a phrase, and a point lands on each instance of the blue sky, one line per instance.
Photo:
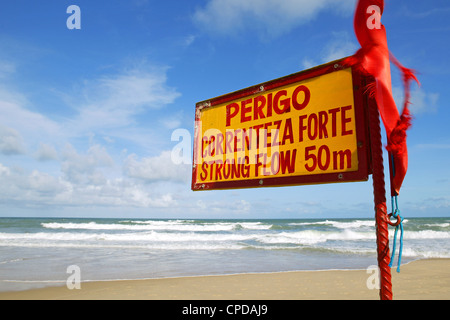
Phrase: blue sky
(87, 115)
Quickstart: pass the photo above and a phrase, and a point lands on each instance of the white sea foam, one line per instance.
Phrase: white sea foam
(167, 226)
(11, 261)
(427, 253)
(338, 224)
(151, 236)
(176, 232)
(175, 247)
(439, 225)
(159, 225)
(427, 234)
(314, 237)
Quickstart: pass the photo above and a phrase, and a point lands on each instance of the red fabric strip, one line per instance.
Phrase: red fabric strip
(374, 59)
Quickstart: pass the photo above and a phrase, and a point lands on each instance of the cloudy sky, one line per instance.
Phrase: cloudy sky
(89, 117)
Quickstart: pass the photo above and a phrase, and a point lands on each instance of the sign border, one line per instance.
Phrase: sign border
(361, 98)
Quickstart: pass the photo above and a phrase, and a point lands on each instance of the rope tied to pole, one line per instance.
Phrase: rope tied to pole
(398, 225)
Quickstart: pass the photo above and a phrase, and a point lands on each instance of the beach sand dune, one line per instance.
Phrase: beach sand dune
(418, 280)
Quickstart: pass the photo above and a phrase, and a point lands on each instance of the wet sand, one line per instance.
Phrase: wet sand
(418, 280)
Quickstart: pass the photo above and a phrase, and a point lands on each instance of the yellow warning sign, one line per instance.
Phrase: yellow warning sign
(278, 132)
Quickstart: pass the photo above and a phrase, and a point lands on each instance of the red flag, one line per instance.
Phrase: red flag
(374, 59)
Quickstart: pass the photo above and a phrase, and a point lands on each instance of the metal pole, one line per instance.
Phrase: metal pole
(379, 193)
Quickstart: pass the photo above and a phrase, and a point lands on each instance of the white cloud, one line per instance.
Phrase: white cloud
(113, 193)
(40, 189)
(187, 41)
(308, 63)
(158, 168)
(171, 123)
(4, 171)
(46, 152)
(10, 141)
(26, 127)
(109, 105)
(84, 168)
(273, 17)
(421, 101)
(340, 46)
(6, 68)
(28, 122)
(223, 206)
(112, 102)
(43, 182)
(21, 188)
(83, 171)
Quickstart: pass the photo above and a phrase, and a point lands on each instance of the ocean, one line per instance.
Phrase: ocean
(37, 252)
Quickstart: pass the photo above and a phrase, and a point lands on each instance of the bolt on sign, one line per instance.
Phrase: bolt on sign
(306, 128)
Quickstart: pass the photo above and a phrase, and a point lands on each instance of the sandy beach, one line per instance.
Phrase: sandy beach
(418, 280)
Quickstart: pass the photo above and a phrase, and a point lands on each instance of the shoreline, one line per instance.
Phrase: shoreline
(418, 280)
